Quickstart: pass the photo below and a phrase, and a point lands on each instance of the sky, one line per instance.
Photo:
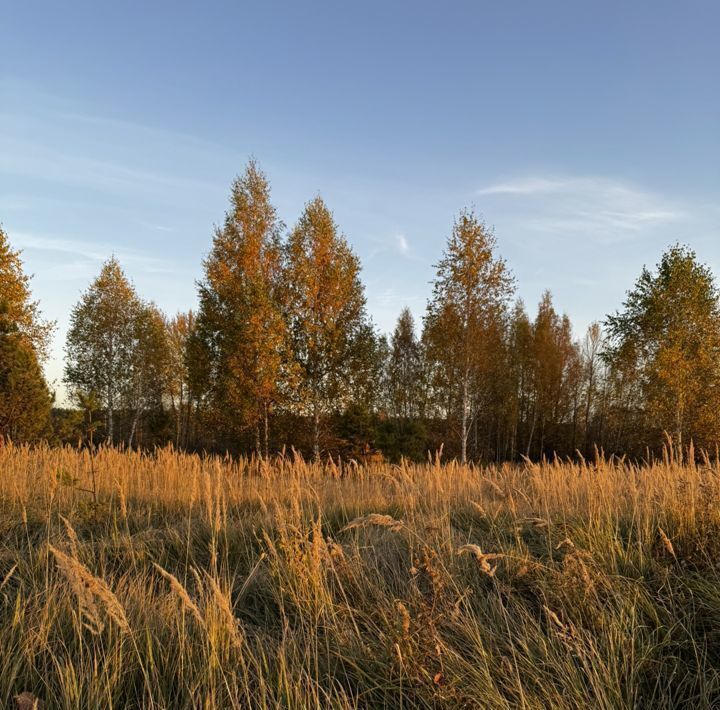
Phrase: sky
(587, 134)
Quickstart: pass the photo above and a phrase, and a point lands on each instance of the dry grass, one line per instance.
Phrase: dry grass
(220, 583)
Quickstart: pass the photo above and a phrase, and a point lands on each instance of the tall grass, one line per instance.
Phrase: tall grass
(221, 583)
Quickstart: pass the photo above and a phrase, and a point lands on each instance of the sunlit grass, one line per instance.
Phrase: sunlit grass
(211, 582)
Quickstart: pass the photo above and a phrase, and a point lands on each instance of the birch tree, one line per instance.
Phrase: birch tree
(179, 334)
(100, 347)
(150, 364)
(669, 330)
(592, 370)
(239, 354)
(327, 316)
(405, 369)
(20, 309)
(471, 285)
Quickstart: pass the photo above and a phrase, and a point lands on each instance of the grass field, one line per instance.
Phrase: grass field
(189, 582)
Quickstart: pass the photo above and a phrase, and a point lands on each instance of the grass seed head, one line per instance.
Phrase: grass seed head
(181, 593)
(483, 558)
(93, 594)
(375, 520)
(667, 543)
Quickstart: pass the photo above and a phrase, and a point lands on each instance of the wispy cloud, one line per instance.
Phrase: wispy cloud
(83, 255)
(593, 206)
(31, 160)
(395, 244)
(525, 186)
(402, 243)
(46, 139)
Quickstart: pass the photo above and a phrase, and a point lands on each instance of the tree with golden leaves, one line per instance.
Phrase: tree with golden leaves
(669, 330)
(521, 372)
(239, 354)
(101, 342)
(593, 380)
(150, 365)
(556, 379)
(470, 288)
(15, 294)
(180, 330)
(24, 396)
(329, 327)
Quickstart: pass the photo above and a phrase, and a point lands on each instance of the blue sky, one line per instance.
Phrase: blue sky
(587, 133)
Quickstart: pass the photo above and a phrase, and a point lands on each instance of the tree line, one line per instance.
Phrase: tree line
(281, 351)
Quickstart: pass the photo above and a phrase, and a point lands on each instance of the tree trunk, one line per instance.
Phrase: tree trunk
(679, 433)
(258, 447)
(267, 431)
(189, 431)
(532, 433)
(177, 408)
(576, 407)
(110, 397)
(110, 424)
(464, 421)
(133, 428)
(476, 442)
(586, 439)
(316, 433)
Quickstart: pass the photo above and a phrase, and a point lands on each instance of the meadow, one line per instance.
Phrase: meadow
(169, 580)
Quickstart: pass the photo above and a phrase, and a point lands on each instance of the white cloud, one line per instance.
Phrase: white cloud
(88, 252)
(599, 207)
(31, 160)
(524, 186)
(402, 243)
(44, 137)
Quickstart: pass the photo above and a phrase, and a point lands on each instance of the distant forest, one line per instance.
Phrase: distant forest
(281, 353)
